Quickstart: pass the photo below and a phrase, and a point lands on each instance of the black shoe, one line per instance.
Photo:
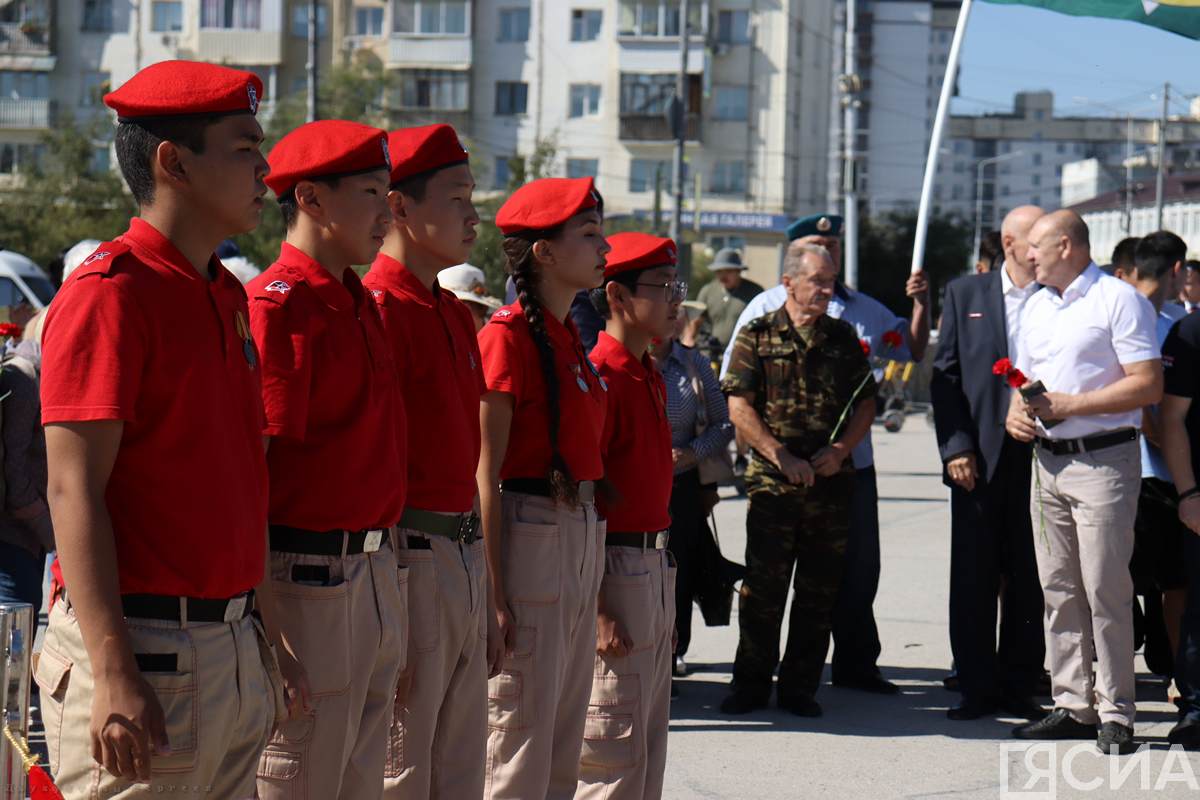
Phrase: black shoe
(743, 703)
(680, 668)
(870, 683)
(1058, 724)
(1186, 734)
(950, 683)
(1022, 708)
(972, 709)
(802, 705)
(1116, 739)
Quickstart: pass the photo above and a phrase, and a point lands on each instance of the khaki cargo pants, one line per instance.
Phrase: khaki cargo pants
(537, 705)
(438, 735)
(351, 637)
(219, 703)
(625, 737)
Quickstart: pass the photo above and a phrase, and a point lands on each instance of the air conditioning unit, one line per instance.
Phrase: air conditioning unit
(170, 41)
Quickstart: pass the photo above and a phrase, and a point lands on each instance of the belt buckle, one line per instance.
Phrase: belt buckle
(468, 525)
(235, 609)
(373, 540)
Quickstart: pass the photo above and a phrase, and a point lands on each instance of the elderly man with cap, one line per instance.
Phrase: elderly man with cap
(855, 634)
(726, 296)
(154, 673)
(469, 284)
(335, 422)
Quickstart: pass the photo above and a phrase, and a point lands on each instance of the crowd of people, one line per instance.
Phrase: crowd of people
(388, 537)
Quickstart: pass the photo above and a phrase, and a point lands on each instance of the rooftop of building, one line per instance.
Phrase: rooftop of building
(1178, 188)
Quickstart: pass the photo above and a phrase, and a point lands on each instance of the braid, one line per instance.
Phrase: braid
(519, 252)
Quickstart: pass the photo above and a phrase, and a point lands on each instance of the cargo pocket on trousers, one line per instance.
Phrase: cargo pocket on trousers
(609, 732)
(281, 764)
(626, 598)
(532, 566)
(316, 625)
(176, 692)
(52, 673)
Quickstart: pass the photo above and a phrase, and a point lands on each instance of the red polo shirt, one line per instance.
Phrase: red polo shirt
(511, 365)
(433, 341)
(637, 439)
(137, 335)
(332, 399)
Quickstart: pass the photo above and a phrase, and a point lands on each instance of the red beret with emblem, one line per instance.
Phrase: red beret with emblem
(327, 148)
(632, 251)
(546, 203)
(183, 88)
(424, 149)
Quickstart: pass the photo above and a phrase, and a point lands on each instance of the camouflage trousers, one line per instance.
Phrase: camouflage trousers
(799, 535)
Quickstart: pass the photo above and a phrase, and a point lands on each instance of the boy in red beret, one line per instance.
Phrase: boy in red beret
(636, 615)
(441, 702)
(154, 674)
(336, 463)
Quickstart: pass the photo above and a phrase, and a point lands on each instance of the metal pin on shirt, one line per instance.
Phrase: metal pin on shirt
(243, 332)
(583, 385)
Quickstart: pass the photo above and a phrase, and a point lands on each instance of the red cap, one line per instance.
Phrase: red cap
(325, 149)
(181, 88)
(424, 149)
(546, 203)
(632, 251)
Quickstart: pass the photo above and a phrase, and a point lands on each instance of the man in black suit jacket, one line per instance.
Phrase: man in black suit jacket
(988, 472)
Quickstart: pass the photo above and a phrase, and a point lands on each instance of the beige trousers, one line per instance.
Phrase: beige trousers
(1083, 535)
(438, 737)
(625, 737)
(537, 705)
(219, 701)
(351, 637)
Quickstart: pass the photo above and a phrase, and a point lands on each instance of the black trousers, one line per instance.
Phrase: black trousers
(689, 528)
(992, 559)
(856, 644)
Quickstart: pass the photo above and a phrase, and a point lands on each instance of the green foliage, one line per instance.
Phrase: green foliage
(63, 199)
(885, 255)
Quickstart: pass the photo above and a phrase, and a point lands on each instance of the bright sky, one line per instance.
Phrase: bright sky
(1088, 63)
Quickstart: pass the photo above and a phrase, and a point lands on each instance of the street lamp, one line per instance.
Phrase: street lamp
(979, 195)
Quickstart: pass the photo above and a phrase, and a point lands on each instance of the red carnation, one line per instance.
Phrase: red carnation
(866, 346)
(10, 329)
(1004, 367)
(893, 339)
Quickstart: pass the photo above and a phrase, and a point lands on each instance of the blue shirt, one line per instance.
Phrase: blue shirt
(1153, 463)
(870, 318)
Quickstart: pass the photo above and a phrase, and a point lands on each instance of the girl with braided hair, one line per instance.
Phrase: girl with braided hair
(541, 420)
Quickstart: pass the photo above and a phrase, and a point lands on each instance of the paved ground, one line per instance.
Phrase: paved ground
(883, 747)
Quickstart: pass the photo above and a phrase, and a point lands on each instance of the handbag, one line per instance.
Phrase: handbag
(716, 469)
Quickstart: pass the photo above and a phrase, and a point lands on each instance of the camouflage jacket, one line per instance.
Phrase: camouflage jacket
(801, 380)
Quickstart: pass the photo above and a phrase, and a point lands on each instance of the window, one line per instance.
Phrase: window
(430, 17)
(243, 14)
(435, 89)
(731, 103)
(18, 158)
(733, 27)
(95, 86)
(367, 21)
(97, 15)
(647, 92)
(500, 176)
(166, 17)
(729, 177)
(642, 173)
(956, 192)
(1037, 200)
(583, 167)
(512, 97)
(300, 20)
(1036, 180)
(656, 18)
(733, 242)
(585, 24)
(1060, 148)
(585, 99)
(100, 161)
(24, 85)
(514, 25)
(1037, 159)
(1004, 191)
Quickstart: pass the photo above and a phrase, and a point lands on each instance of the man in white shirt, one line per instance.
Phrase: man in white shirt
(1089, 338)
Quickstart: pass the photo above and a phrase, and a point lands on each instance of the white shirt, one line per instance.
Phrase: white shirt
(1079, 341)
(1015, 299)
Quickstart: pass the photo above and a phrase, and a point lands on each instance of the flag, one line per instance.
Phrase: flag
(1177, 16)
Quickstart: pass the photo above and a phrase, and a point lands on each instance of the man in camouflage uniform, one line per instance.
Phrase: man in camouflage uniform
(793, 374)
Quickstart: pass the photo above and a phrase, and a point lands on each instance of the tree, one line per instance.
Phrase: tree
(885, 255)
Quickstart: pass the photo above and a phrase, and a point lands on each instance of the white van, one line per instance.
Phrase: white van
(22, 282)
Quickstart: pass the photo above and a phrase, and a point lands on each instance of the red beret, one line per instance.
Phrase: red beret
(325, 149)
(546, 203)
(418, 150)
(632, 251)
(179, 88)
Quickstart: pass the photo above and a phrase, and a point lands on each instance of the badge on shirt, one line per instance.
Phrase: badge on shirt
(243, 331)
(579, 381)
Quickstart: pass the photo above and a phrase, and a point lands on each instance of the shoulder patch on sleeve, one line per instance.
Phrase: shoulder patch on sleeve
(103, 260)
(278, 287)
(505, 316)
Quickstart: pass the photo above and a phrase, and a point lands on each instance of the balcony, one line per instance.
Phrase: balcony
(239, 46)
(434, 52)
(656, 128)
(26, 114)
(25, 46)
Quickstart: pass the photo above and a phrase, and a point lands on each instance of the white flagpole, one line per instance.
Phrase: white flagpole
(935, 143)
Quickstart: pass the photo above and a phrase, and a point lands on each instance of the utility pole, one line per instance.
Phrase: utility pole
(679, 118)
(850, 87)
(311, 116)
(1128, 174)
(1162, 159)
(657, 217)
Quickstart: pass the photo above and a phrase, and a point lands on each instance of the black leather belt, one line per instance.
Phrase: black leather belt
(644, 540)
(456, 527)
(187, 609)
(1088, 444)
(541, 488)
(418, 543)
(326, 543)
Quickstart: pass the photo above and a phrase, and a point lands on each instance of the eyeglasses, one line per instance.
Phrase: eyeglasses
(673, 291)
